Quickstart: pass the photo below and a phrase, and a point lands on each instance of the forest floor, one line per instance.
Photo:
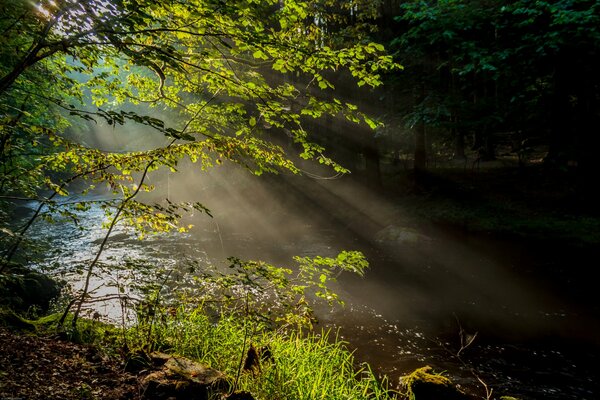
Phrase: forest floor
(36, 367)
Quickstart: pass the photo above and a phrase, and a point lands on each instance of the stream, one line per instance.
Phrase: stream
(530, 308)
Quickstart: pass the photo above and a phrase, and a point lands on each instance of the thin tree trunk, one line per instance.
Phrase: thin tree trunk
(113, 223)
(420, 142)
(372, 167)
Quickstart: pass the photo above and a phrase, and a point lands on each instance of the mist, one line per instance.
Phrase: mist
(420, 274)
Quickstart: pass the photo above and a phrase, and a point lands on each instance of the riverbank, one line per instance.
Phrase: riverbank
(37, 364)
(532, 203)
(217, 338)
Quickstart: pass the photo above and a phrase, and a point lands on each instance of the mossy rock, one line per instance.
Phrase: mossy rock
(424, 384)
(182, 378)
(22, 289)
(10, 319)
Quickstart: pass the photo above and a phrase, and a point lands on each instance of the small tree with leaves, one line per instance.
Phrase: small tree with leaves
(219, 66)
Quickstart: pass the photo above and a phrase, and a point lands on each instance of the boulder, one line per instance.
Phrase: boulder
(424, 384)
(182, 378)
(393, 235)
(22, 289)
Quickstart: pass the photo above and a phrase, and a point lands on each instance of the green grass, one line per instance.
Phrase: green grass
(303, 365)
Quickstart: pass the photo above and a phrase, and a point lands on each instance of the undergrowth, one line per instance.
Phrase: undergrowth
(292, 364)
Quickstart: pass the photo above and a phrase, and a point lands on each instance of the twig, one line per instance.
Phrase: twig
(466, 341)
(239, 371)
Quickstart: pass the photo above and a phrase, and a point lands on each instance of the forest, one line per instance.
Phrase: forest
(287, 199)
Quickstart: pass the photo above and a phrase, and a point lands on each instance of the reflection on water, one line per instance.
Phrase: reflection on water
(536, 333)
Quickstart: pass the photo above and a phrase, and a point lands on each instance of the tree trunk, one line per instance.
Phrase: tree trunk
(372, 169)
(560, 117)
(459, 144)
(420, 143)
(586, 120)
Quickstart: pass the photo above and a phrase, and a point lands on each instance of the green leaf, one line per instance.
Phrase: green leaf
(260, 55)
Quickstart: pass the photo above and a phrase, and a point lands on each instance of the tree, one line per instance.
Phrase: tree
(217, 65)
(508, 66)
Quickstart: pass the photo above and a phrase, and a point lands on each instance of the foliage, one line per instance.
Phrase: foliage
(511, 66)
(217, 316)
(316, 366)
(254, 290)
(223, 70)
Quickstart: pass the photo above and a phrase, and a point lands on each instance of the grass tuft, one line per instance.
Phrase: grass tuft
(299, 365)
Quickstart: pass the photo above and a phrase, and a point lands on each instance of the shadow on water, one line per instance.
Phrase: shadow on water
(532, 305)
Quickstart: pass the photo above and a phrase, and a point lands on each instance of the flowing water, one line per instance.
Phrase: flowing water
(529, 308)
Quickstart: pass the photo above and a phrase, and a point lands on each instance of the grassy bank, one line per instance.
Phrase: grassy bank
(298, 365)
(224, 322)
(288, 364)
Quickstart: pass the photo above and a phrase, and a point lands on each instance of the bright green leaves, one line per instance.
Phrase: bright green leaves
(158, 218)
(370, 122)
(235, 76)
(260, 55)
(320, 272)
(292, 14)
(281, 66)
(364, 61)
(293, 287)
(353, 261)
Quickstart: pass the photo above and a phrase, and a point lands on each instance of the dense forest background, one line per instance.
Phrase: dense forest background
(487, 80)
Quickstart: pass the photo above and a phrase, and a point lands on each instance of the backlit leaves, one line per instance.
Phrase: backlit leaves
(221, 69)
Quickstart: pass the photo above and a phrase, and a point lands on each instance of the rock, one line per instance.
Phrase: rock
(39, 290)
(424, 384)
(9, 318)
(393, 234)
(239, 396)
(159, 359)
(137, 361)
(182, 378)
(23, 288)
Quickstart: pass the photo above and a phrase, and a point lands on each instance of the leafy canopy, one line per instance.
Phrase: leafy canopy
(503, 66)
(236, 75)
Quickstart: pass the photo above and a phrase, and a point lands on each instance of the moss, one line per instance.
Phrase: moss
(13, 320)
(424, 384)
(47, 320)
